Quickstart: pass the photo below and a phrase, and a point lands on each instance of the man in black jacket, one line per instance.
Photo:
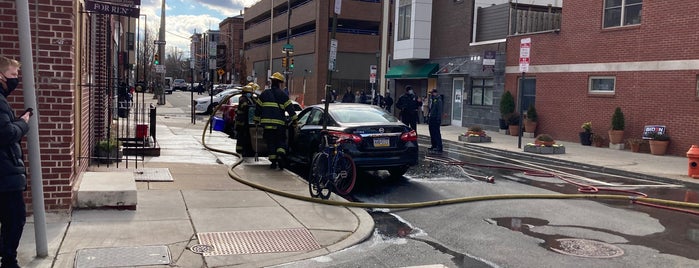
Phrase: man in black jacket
(272, 105)
(13, 178)
(408, 104)
(436, 108)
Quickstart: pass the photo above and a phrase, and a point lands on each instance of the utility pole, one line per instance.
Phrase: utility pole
(331, 63)
(288, 46)
(161, 51)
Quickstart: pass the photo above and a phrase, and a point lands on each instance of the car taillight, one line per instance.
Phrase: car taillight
(409, 136)
(346, 136)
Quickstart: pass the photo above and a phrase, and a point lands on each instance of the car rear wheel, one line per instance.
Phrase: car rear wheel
(398, 172)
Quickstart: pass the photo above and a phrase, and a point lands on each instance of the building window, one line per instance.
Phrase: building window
(697, 93)
(482, 92)
(602, 84)
(622, 12)
(404, 12)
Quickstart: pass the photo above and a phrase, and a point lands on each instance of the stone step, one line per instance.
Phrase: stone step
(107, 190)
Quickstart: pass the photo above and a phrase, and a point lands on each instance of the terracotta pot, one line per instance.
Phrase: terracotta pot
(514, 130)
(635, 147)
(529, 126)
(658, 147)
(616, 136)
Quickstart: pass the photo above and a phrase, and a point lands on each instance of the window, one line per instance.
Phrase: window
(404, 13)
(697, 93)
(622, 12)
(482, 92)
(602, 84)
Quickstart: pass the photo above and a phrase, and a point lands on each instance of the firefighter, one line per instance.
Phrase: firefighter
(273, 103)
(244, 118)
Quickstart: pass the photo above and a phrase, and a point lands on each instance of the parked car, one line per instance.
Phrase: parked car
(379, 140)
(179, 84)
(204, 104)
(229, 109)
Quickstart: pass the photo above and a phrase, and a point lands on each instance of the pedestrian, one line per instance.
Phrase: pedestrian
(13, 175)
(200, 88)
(408, 104)
(272, 104)
(388, 102)
(348, 97)
(425, 108)
(362, 97)
(244, 119)
(378, 100)
(436, 104)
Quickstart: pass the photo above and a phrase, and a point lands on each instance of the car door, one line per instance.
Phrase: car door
(308, 139)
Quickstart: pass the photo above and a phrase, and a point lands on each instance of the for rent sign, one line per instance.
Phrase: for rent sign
(104, 8)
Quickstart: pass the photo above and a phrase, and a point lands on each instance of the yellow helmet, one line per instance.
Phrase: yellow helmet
(248, 89)
(254, 86)
(278, 76)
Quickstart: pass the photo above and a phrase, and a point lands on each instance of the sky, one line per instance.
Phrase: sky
(184, 17)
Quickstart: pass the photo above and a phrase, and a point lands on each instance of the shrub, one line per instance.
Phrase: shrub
(507, 104)
(531, 113)
(544, 137)
(618, 119)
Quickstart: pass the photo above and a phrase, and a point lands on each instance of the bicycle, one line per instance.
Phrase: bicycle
(331, 168)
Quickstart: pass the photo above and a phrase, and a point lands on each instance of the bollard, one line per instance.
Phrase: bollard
(693, 156)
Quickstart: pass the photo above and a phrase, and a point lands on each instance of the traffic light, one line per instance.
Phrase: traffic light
(284, 62)
(156, 59)
(291, 63)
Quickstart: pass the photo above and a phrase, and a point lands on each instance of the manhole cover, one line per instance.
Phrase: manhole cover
(122, 256)
(586, 248)
(201, 249)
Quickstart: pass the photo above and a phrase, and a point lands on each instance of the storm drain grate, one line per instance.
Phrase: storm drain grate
(258, 241)
(122, 256)
(586, 248)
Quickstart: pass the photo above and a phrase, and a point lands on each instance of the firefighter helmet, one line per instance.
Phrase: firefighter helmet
(278, 76)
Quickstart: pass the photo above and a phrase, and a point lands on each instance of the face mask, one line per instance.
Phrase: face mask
(410, 92)
(12, 83)
(248, 95)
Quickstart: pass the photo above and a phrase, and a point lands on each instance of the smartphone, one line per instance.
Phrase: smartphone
(30, 111)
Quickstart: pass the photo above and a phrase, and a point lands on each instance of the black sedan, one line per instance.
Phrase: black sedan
(379, 140)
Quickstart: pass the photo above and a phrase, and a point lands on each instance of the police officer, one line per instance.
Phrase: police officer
(244, 118)
(272, 103)
(408, 105)
(436, 108)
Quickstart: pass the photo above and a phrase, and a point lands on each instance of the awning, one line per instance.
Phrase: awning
(412, 71)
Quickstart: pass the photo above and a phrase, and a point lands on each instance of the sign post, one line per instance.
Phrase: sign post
(525, 45)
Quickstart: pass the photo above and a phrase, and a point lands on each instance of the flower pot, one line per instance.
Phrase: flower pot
(586, 138)
(658, 147)
(514, 130)
(616, 136)
(529, 126)
(635, 147)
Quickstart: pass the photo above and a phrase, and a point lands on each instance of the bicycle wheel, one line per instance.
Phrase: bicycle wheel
(318, 177)
(345, 174)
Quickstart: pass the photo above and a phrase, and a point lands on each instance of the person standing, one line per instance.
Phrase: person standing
(425, 108)
(436, 104)
(13, 175)
(272, 105)
(388, 102)
(348, 97)
(244, 118)
(408, 104)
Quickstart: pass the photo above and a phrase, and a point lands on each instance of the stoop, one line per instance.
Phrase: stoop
(107, 190)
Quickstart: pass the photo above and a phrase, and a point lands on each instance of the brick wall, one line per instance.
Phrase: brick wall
(52, 40)
(665, 97)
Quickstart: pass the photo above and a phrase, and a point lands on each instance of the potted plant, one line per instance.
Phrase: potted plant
(634, 144)
(544, 140)
(475, 130)
(658, 143)
(586, 134)
(475, 133)
(616, 134)
(107, 150)
(513, 123)
(507, 106)
(532, 119)
(598, 140)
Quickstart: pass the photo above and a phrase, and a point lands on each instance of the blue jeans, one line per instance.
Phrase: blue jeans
(12, 218)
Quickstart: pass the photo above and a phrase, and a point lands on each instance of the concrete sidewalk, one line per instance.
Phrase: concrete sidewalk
(200, 202)
(665, 168)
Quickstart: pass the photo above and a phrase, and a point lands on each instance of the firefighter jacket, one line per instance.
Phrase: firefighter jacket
(273, 103)
(246, 111)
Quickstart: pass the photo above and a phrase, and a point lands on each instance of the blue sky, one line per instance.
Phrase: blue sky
(183, 17)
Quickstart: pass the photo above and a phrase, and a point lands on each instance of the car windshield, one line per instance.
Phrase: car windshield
(361, 115)
(179, 80)
(226, 92)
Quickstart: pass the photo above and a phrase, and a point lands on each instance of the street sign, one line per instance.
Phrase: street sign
(158, 42)
(333, 54)
(288, 48)
(372, 74)
(220, 71)
(160, 69)
(338, 6)
(525, 46)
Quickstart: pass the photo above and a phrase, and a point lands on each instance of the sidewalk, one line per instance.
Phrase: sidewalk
(650, 166)
(200, 202)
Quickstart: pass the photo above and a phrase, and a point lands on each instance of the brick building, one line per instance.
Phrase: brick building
(232, 39)
(77, 63)
(600, 59)
(310, 28)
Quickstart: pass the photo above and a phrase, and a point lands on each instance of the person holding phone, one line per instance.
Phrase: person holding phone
(13, 175)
